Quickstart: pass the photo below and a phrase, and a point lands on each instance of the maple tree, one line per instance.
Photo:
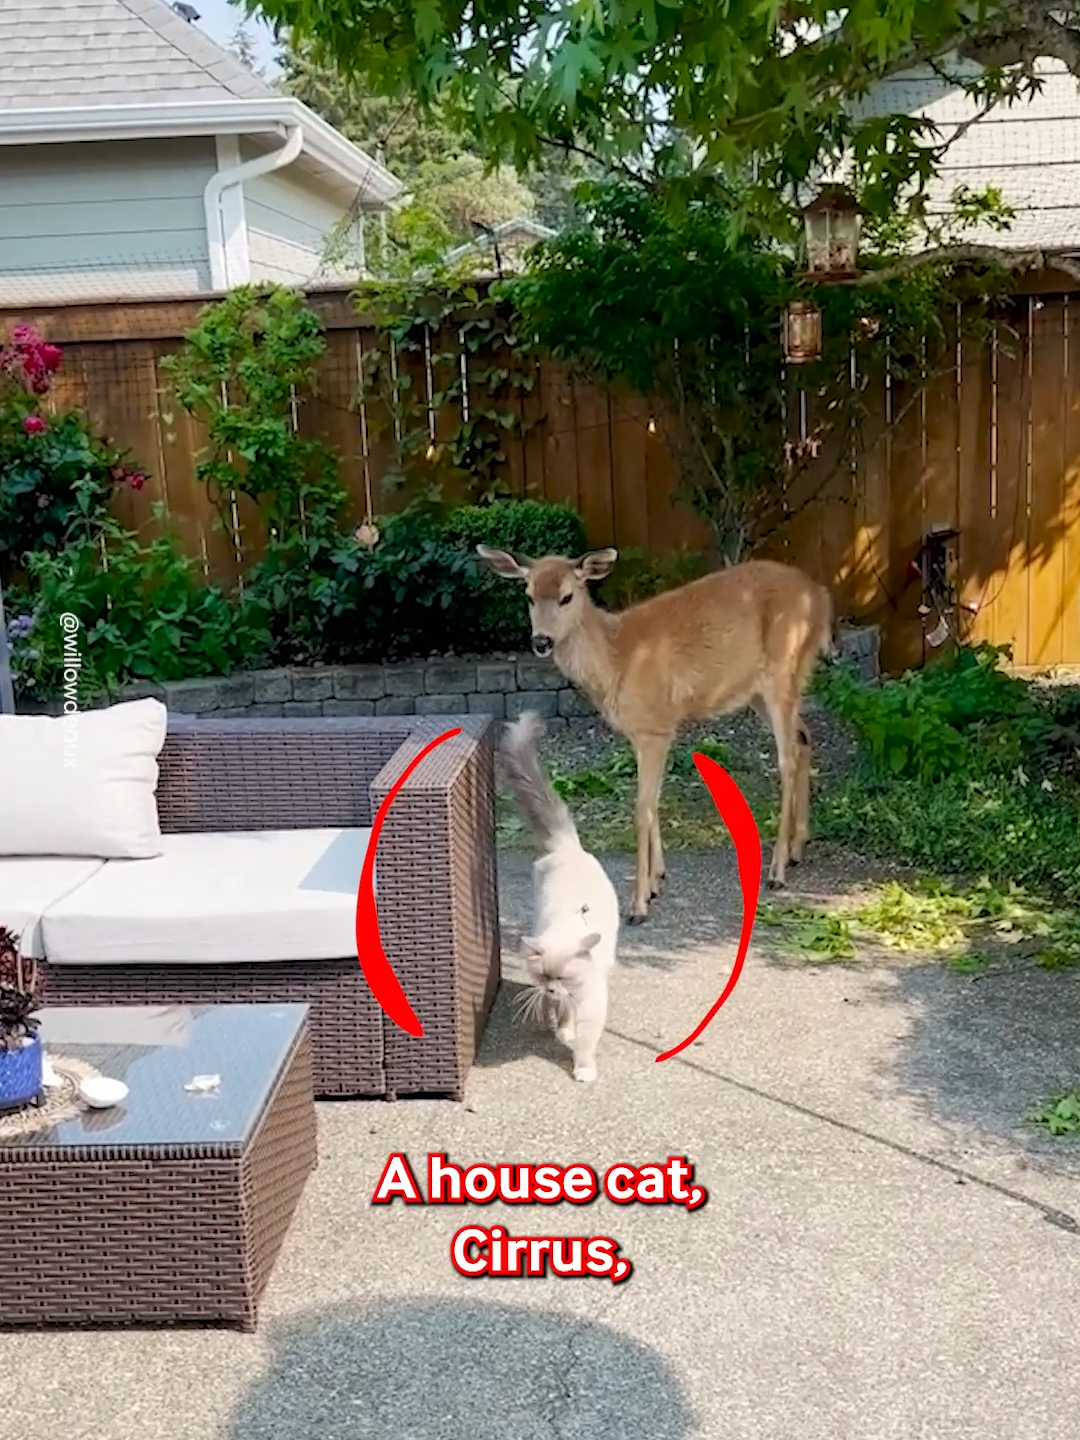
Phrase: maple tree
(765, 92)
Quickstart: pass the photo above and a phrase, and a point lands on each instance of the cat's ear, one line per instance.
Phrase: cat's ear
(590, 942)
(532, 946)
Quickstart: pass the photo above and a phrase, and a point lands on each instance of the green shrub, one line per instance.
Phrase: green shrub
(144, 615)
(422, 589)
(963, 769)
(414, 590)
(525, 527)
(638, 576)
(965, 712)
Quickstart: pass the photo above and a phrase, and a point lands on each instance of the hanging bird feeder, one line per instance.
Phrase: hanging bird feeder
(832, 223)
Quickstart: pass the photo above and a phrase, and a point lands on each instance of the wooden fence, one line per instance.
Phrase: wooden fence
(993, 452)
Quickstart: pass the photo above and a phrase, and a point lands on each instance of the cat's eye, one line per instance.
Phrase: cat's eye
(566, 599)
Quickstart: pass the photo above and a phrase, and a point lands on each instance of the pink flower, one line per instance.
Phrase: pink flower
(23, 335)
(34, 425)
(136, 480)
(51, 356)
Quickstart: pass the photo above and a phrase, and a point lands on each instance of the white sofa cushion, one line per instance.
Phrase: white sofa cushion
(218, 899)
(28, 886)
(82, 784)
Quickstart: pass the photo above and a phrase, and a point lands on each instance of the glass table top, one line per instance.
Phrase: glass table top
(156, 1050)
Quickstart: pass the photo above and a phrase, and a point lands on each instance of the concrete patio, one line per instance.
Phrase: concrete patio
(885, 1252)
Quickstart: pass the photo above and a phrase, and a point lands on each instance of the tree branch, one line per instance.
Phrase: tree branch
(1021, 260)
(1029, 30)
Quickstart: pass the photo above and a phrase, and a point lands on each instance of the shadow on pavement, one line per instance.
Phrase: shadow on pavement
(985, 1052)
(508, 1039)
(701, 905)
(446, 1370)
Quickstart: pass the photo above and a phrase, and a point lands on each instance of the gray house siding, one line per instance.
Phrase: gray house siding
(103, 219)
(289, 221)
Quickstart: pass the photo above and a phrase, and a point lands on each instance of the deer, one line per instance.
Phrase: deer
(746, 636)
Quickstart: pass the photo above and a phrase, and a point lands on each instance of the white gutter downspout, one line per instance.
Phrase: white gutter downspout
(221, 276)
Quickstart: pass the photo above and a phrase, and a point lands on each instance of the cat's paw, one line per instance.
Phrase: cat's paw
(585, 1074)
(565, 1035)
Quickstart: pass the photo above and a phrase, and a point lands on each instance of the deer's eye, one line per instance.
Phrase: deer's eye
(566, 600)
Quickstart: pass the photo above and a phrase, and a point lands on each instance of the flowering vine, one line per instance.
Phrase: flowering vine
(55, 473)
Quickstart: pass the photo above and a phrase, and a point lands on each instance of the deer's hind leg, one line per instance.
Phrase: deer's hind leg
(802, 793)
(814, 644)
(783, 716)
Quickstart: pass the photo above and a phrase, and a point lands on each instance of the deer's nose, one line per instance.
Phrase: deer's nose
(542, 646)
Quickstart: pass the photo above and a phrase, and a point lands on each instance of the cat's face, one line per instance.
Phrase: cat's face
(558, 968)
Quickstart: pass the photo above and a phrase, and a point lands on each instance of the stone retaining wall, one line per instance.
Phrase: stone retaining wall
(502, 686)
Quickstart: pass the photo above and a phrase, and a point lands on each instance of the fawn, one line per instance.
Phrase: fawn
(749, 635)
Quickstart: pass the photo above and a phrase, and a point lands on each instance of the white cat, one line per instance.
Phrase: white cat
(572, 952)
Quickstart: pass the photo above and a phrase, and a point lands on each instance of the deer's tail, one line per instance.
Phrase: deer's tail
(533, 792)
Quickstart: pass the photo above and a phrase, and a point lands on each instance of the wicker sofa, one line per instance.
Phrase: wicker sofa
(436, 888)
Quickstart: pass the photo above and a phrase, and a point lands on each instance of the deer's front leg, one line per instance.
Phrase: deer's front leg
(652, 756)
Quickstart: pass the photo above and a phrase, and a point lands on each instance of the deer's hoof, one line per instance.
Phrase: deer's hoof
(635, 919)
(774, 884)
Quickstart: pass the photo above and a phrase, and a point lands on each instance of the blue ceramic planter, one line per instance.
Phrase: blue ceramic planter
(20, 1075)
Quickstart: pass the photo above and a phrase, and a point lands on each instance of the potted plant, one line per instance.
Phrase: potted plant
(21, 1064)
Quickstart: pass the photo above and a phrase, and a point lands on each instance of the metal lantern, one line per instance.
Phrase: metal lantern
(832, 222)
(802, 332)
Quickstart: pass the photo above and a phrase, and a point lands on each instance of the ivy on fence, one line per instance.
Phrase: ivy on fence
(444, 386)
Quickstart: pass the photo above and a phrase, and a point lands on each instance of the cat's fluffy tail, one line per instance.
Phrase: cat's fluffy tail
(536, 798)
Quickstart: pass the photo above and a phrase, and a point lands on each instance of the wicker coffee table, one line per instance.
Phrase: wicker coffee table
(172, 1206)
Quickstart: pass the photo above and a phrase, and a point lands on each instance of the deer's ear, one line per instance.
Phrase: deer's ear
(596, 564)
(503, 563)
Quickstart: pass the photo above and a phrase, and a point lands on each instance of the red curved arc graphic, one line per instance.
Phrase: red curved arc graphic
(738, 817)
(377, 969)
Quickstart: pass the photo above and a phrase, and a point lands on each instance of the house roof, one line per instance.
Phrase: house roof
(121, 69)
(1029, 150)
(521, 227)
(112, 52)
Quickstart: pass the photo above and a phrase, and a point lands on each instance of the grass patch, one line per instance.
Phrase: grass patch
(987, 825)
(1060, 1115)
(602, 798)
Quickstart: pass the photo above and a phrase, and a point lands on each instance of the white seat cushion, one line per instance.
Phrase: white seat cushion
(82, 784)
(29, 885)
(218, 899)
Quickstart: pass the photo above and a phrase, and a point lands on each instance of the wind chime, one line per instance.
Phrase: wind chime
(934, 567)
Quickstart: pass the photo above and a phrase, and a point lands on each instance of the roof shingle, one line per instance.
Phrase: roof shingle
(57, 53)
